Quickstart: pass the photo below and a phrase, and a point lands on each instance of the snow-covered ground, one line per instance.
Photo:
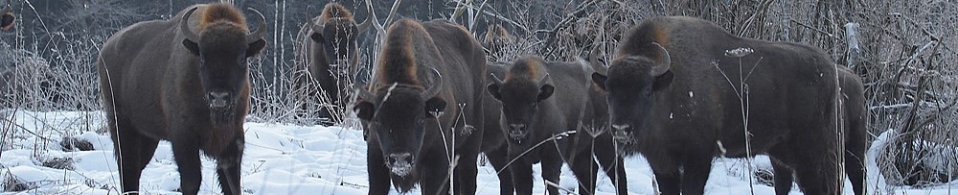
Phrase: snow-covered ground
(283, 159)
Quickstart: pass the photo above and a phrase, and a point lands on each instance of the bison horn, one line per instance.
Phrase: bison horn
(317, 28)
(495, 79)
(434, 89)
(8, 9)
(594, 60)
(185, 27)
(360, 87)
(665, 64)
(260, 30)
(366, 23)
(543, 81)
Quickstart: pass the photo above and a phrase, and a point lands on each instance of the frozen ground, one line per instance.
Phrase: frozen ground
(280, 159)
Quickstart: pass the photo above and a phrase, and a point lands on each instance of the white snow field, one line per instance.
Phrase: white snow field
(286, 159)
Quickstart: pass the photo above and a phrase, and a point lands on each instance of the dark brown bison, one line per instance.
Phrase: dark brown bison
(541, 101)
(855, 122)
(328, 56)
(682, 90)
(422, 68)
(7, 18)
(184, 80)
(493, 137)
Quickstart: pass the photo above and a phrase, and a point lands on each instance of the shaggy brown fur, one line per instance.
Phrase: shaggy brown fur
(527, 67)
(335, 10)
(398, 63)
(220, 13)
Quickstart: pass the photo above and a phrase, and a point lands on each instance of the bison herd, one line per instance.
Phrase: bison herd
(679, 91)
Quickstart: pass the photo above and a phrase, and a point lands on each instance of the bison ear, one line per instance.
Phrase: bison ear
(192, 46)
(364, 110)
(546, 91)
(599, 80)
(317, 37)
(663, 81)
(435, 106)
(494, 91)
(255, 47)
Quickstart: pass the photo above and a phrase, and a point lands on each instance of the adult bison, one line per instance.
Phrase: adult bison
(855, 126)
(540, 102)
(422, 68)
(327, 56)
(184, 80)
(6, 17)
(682, 90)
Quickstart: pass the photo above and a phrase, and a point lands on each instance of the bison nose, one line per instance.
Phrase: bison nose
(400, 158)
(218, 99)
(517, 131)
(621, 127)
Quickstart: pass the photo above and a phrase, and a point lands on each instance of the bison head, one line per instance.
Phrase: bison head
(520, 97)
(632, 84)
(397, 115)
(337, 38)
(6, 17)
(222, 49)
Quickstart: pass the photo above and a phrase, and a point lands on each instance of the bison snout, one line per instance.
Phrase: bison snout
(400, 163)
(219, 99)
(517, 131)
(620, 127)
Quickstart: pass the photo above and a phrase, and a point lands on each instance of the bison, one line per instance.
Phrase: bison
(683, 90)
(414, 137)
(7, 18)
(493, 138)
(184, 80)
(542, 100)
(328, 55)
(855, 122)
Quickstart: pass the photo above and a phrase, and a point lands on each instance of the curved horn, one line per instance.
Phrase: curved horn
(434, 89)
(543, 81)
(8, 9)
(594, 60)
(663, 65)
(360, 87)
(317, 28)
(185, 27)
(260, 30)
(495, 79)
(366, 23)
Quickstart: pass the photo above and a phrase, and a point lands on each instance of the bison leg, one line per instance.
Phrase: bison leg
(668, 181)
(854, 167)
(466, 169)
(187, 155)
(228, 168)
(551, 167)
(134, 151)
(521, 176)
(611, 162)
(434, 172)
(696, 171)
(855, 159)
(817, 171)
(783, 177)
(498, 158)
(585, 170)
(377, 170)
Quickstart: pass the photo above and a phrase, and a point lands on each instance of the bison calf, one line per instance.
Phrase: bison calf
(540, 102)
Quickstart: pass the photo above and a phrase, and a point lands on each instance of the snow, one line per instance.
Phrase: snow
(289, 159)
